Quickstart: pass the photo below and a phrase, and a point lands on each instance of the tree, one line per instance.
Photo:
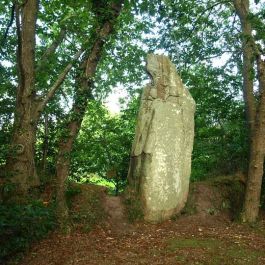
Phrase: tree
(29, 104)
(220, 144)
(103, 145)
(83, 94)
(255, 106)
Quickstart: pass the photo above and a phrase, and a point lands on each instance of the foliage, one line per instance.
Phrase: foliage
(104, 144)
(47, 141)
(22, 224)
(220, 145)
(6, 111)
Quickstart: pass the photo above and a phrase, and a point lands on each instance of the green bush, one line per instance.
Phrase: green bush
(22, 224)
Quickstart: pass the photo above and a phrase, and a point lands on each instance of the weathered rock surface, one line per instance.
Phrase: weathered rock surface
(161, 152)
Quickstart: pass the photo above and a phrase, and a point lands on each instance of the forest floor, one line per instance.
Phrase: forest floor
(191, 239)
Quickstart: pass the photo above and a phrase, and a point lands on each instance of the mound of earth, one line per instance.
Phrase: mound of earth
(218, 196)
(91, 205)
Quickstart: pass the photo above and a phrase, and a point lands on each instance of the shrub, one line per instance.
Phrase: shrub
(22, 224)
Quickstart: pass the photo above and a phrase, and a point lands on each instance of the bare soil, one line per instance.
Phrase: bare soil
(116, 219)
(189, 239)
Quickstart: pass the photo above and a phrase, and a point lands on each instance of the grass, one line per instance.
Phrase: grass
(213, 251)
(193, 243)
(97, 180)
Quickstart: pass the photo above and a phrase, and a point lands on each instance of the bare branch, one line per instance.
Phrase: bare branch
(58, 82)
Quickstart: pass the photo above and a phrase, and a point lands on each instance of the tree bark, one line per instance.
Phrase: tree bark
(257, 153)
(63, 165)
(255, 110)
(242, 9)
(83, 94)
(20, 162)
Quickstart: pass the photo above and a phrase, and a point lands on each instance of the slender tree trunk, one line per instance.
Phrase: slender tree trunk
(255, 110)
(83, 94)
(45, 145)
(65, 148)
(63, 166)
(242, 9)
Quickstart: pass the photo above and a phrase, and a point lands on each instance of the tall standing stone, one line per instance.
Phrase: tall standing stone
(160, 163)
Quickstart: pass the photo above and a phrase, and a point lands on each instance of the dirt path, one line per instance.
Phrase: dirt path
(116, 220)
(188, 240)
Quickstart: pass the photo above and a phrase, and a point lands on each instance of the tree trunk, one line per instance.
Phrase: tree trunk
(20, 164)
(45, 145)
(257, 153)
(242, 9)
(255, 114)
(83, 94)
(62, 170)
(20, 161)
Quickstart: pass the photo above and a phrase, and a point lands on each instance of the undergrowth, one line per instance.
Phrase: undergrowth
(22, 224)
(85, 205)
(134, 209)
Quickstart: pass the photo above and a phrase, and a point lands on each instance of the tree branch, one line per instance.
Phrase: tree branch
(52, 48)
(12, 16)
(92, 60)
(210, 8)
(19, 59)
(214, 56)
(58, 82)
